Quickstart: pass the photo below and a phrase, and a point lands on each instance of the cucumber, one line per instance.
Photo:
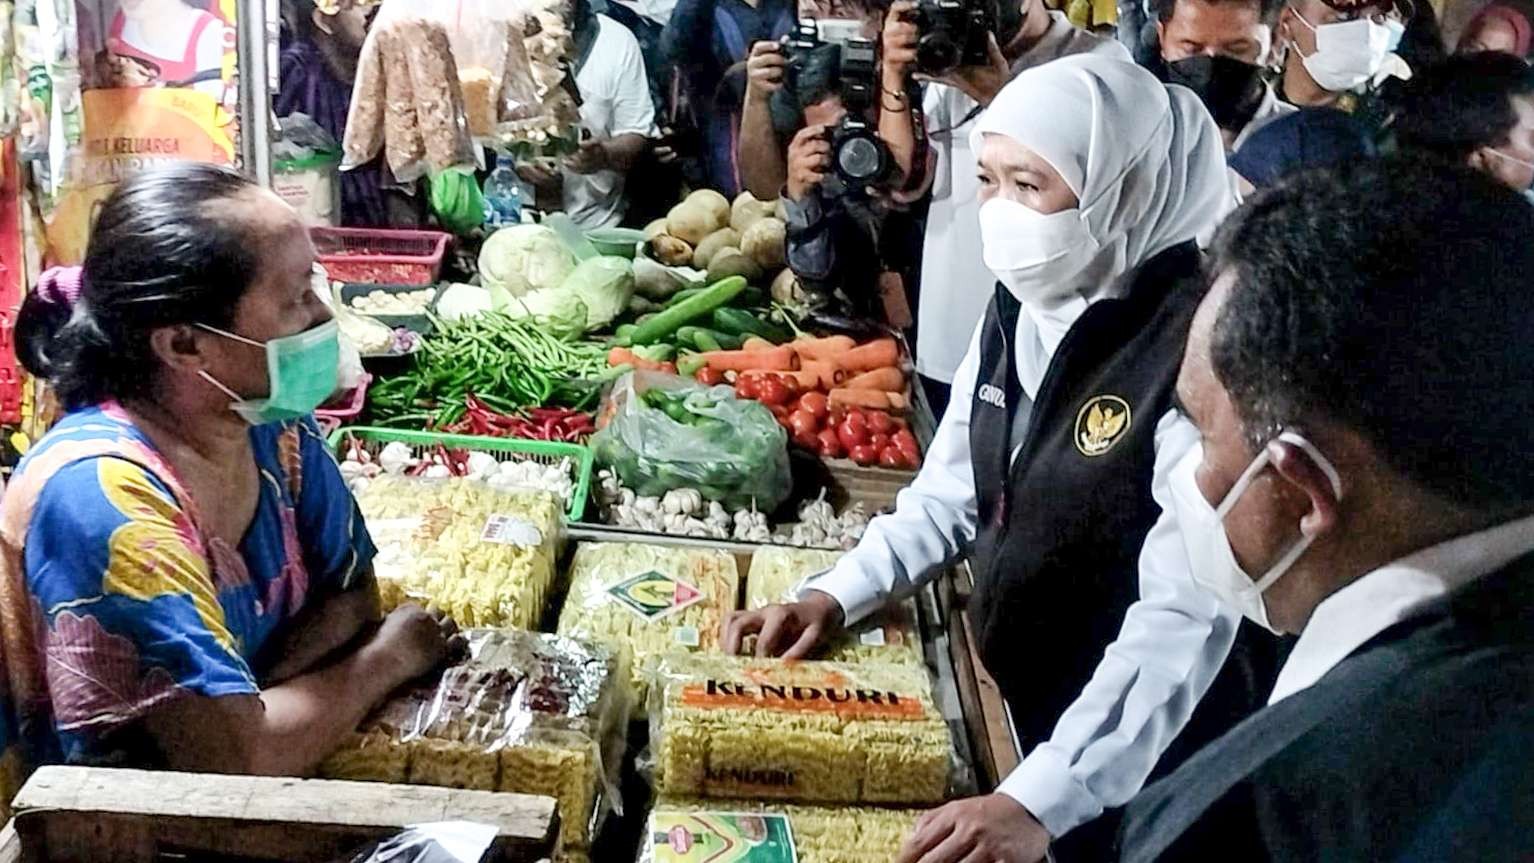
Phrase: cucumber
(744, 324)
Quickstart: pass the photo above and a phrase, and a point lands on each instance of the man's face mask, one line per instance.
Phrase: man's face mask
(1231, 89)
(1210, 554)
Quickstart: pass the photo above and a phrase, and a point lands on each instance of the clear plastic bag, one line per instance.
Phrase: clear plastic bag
(664, 432)
(648, 600)
(484, 556)
(812, 732)
(777, 574)
(529, 713)
(424, 127)
(441, 842)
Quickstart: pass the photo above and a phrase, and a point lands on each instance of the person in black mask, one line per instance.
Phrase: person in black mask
(1217, 49)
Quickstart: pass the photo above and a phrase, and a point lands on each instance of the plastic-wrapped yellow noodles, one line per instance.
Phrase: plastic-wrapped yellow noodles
(486, 557)
(889, 636)
(649, 600)
(528, 712)
(814, 732)
(818, 835)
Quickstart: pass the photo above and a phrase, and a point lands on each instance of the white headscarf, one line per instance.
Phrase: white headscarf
(1146, 160)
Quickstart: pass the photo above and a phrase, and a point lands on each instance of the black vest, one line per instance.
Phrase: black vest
(1061, 527)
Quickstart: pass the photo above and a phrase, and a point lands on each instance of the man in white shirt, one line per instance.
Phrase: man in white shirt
(953, 276)
(618, 117)
(1366, 481)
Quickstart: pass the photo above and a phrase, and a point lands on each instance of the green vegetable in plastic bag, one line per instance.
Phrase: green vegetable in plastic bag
(457, 201)
(667, 432)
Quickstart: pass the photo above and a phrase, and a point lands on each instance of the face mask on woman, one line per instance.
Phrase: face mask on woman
(1348, 53)
(301, 369)
(1215, 568)
(1035, 255)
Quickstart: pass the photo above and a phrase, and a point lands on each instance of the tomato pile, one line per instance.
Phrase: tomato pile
(866, 436)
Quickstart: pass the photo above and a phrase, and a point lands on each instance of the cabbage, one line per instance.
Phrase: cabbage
(524, 258)
(605, 285)
(595, 292)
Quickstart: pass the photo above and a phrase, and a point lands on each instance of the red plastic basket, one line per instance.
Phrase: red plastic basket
(377, 257)
(349, 405)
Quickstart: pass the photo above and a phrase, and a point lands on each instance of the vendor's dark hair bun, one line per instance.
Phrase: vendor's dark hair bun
(168, 248)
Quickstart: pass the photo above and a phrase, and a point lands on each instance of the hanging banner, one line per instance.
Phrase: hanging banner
(160, 84)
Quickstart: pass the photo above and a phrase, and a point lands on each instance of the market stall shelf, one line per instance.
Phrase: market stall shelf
(80, 814)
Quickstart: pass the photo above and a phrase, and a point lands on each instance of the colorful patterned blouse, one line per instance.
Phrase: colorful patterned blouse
(113, 602)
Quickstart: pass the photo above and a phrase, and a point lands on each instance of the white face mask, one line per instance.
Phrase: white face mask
(1034, 255)
(1348, 53)
(1209, 551)
(1528, 191)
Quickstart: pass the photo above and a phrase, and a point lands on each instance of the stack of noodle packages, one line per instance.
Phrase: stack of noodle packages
(484, 556)
(812, 732)
(527, 712)
(649, 600)
(778, 572)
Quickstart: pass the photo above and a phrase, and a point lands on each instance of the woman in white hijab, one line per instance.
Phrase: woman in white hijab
(1050, 464)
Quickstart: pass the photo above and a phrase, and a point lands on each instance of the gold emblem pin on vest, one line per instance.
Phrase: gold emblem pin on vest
(1102, 422)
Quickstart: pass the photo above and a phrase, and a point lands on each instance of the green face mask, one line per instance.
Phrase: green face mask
(302, 371)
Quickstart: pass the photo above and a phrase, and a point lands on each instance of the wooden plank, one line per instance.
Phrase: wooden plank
(79, 813)
(985, 711)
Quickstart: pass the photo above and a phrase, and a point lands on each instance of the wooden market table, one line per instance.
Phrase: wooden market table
(80, 814)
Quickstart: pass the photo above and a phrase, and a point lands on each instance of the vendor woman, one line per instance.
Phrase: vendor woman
(1051, 464)
(185, 581)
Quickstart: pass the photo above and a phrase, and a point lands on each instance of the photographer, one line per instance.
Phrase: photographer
(956, 283)
(832, 231)
(763, 167)
(707, 43)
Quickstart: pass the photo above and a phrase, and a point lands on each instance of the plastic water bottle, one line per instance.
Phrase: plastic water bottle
(503, 194)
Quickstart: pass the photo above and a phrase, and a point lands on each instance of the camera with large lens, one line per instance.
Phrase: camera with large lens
(858, 155)
(954, 33)
(849, 68)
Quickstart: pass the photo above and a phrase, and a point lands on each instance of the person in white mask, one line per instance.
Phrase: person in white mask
(1337, 53)
(1365, 480)
(1049, 469)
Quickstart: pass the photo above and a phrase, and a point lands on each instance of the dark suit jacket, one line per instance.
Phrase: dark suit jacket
(1417, 747)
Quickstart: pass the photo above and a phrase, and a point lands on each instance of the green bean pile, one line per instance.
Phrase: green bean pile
(506, 362)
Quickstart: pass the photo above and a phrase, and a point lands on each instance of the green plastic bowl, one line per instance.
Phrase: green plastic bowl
(617, 242)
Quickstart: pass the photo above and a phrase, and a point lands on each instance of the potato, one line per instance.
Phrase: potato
(786, 288)
(747, 211)
(690, 223)
(655, 229)
(731, 261)
(766, 242)
(711, 245)
(670, 251)
(716, 205)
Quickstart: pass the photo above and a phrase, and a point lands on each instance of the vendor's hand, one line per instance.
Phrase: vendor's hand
(765, 69)
(791, 630)
(415, 641)
(982, 83)
(541, 178)
(899, 44)
(990, 829)
(809, 157)
(590, 158)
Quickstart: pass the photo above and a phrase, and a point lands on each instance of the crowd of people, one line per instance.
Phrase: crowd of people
(1222, 320)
